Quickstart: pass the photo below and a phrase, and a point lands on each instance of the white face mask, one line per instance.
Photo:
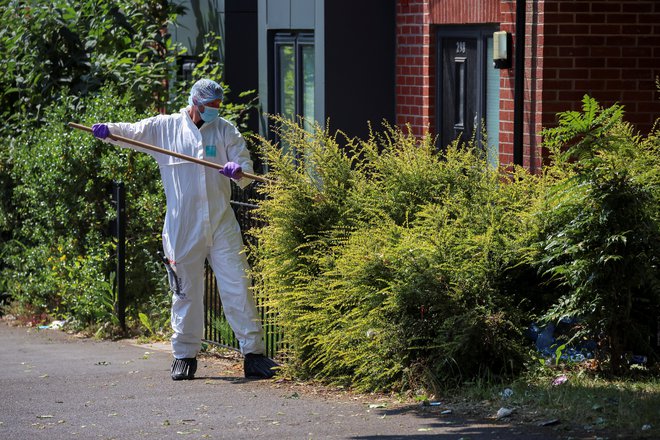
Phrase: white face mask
(209, 114)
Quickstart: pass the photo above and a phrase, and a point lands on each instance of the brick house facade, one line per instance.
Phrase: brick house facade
(608, 49)
(427, 64)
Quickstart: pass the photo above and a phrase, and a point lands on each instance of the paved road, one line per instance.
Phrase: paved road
(56, 386)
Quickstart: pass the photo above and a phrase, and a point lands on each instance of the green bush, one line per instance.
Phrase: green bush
(390, 265)
(598, 231)
(55, 48)
(383, 259)
(61, 257)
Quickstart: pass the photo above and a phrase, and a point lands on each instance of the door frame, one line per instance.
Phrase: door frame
(481, 32)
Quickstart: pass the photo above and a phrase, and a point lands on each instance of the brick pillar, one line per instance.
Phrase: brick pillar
(415, 71)
(533, 84)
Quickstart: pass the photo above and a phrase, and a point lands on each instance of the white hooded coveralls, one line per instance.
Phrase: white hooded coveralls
(200, 224)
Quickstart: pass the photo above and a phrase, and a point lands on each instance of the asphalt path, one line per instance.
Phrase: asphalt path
(58, 386)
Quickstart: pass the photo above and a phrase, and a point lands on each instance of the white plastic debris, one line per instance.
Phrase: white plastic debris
(504, 412)
(559, 380)
(55, 325)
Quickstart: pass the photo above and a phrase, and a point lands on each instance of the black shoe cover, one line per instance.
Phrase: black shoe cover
(258, 366)
(183, 369)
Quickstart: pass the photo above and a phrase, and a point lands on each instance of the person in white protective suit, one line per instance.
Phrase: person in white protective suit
(200, 224)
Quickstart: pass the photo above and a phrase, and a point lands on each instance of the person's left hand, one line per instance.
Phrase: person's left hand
(232, 170)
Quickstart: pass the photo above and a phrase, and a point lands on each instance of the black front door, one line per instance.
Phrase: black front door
(460, 89)
(468, 91)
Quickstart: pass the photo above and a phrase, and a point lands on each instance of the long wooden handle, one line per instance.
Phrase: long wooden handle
(168, 152)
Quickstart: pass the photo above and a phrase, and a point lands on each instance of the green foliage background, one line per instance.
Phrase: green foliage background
(51, 49)
(85, 62)
(63, 214)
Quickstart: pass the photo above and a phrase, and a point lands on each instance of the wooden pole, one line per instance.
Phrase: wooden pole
(169, 153)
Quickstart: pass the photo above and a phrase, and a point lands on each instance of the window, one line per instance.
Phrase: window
(294, 76)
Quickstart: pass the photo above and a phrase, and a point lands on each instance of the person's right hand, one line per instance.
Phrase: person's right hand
(232, 170)
(100, 131)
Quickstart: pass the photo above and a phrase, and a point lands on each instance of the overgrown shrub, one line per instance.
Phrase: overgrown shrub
(391, 265)
(382, 259)
(598, 231)
(60, 259)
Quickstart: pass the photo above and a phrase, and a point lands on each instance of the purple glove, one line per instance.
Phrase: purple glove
(100, 131)
(232, 170)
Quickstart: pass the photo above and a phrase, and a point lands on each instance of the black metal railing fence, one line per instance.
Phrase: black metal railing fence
(216, 328)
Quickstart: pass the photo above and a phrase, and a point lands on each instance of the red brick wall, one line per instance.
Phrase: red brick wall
(415, 67)
(464, 11)
(608, 49)
(507, 23)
